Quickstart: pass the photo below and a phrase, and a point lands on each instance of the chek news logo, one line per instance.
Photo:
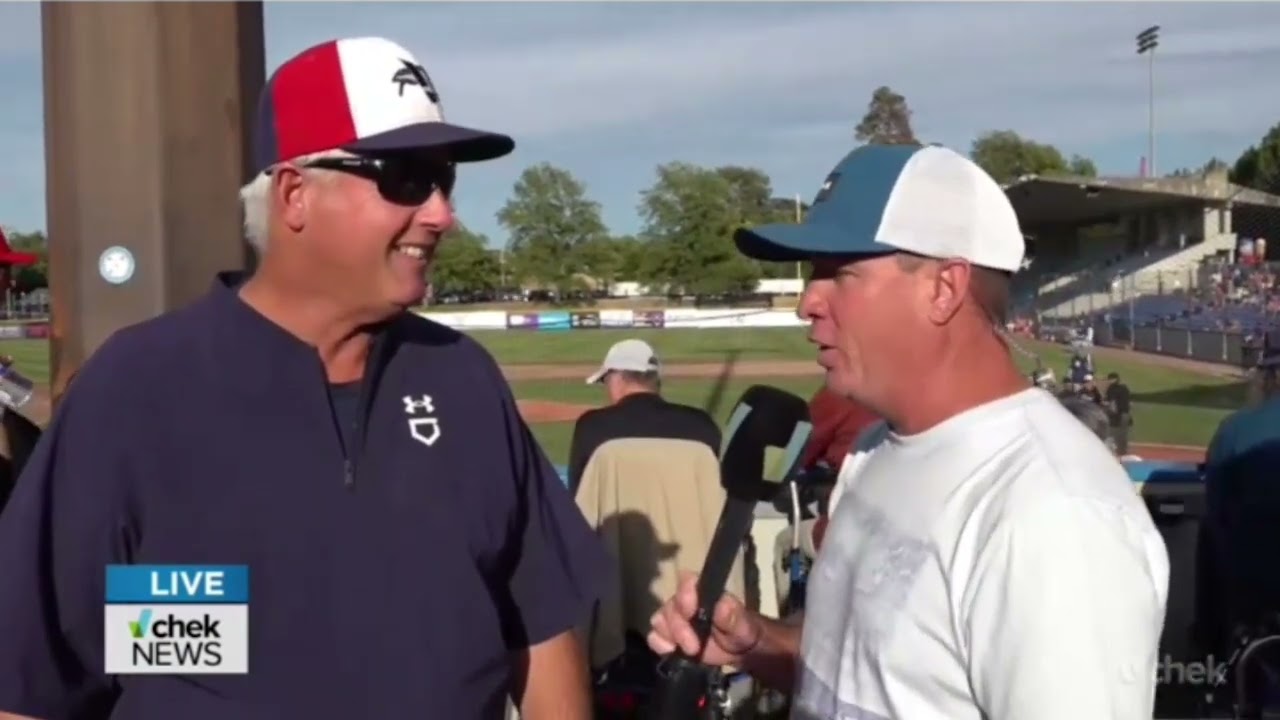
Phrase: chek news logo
(177, 620)
(138, 628)
(169, 640)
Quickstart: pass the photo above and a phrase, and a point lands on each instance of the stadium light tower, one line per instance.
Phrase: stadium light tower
(1148, 41)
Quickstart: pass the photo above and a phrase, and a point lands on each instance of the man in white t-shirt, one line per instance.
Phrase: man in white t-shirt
(987, 558)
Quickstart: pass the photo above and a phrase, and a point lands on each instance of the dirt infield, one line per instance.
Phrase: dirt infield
(545, 411)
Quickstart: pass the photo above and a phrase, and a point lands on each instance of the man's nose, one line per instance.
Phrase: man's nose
(436, 213)
(811, 302)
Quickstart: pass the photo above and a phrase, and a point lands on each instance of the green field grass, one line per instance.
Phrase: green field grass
(1170, 405)
(514, 347)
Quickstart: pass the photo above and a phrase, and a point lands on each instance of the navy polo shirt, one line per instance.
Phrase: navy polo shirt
(391, 575)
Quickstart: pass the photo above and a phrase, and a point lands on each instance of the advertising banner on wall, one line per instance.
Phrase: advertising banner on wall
(584, 319)
(650, 318)
(617, 318)
(527, 321)
(470, 320)
(555, 320)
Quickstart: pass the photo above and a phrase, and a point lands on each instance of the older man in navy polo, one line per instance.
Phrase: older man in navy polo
(411, 552)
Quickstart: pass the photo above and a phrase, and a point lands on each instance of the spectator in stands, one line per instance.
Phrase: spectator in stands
(646, 475)
(1119, 412)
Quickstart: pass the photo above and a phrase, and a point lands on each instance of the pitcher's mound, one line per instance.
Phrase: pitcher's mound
(540, 411)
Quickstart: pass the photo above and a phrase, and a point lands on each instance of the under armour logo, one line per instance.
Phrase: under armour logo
(414, 74)
(425, 430)
(412, 406)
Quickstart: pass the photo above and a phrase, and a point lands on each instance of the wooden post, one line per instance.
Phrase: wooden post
(148, 115)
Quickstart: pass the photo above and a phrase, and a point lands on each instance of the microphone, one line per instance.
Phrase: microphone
(764, 418)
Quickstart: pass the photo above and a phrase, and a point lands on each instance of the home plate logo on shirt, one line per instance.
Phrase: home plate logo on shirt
(177, 620)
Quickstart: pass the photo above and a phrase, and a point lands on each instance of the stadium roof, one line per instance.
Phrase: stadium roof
(1077, 201)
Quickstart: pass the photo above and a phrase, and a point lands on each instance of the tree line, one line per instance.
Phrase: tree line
(557, 239)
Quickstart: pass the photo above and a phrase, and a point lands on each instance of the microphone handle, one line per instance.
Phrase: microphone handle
(726, 542)
(682, 680)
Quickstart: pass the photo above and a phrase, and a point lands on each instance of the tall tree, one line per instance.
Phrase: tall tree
(750, 192)
(630, 252)
(1259, 166)
(464, 263)
(1006, 155)
(601, 259)
(888, 120)
(549, 217)
(752, 198)
(1081, 166)
(1213, 165)
(690, 214)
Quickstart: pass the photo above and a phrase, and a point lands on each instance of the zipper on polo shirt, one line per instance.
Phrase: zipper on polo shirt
(335, 422)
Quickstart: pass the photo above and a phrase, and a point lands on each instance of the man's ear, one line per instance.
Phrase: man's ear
(950, 287)
(288, 192)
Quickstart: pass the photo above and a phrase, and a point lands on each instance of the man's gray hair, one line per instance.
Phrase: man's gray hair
(649, 379)
(255, 200)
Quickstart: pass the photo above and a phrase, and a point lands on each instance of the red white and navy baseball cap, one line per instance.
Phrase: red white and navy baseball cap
(363, 95)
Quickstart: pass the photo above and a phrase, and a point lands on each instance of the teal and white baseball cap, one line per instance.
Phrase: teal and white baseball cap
(927, 200)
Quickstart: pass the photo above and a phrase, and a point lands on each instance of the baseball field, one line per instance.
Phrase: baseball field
(1177, 403)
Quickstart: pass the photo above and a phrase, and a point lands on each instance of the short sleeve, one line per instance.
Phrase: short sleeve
(64, 523)
(558, 565)
(1063, 612)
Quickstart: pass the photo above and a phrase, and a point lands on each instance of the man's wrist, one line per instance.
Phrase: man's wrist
(772, 658)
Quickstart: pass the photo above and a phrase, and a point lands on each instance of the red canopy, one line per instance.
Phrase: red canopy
(8, 256)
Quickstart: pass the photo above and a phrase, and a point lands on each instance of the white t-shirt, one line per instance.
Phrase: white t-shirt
(998, 566)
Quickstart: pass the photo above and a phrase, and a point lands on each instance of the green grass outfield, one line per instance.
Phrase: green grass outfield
(1170, 405)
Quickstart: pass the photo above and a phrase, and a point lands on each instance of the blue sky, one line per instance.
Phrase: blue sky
(611, 90)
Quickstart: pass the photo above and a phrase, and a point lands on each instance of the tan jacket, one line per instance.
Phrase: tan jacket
(655, 503)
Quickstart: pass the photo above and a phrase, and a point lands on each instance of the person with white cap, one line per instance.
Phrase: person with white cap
(631, 375)
(646, 476)
(409, 548)
(988, 557)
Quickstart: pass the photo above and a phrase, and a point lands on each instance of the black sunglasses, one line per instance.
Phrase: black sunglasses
(400, 179)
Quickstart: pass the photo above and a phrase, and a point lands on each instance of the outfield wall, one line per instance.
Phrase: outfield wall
(616, 318)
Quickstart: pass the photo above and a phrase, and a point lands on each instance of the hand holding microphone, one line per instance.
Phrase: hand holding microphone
(702, 625)
(735, 630)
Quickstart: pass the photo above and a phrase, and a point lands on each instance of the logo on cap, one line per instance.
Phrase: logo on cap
(826, 188)
(414, 74)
